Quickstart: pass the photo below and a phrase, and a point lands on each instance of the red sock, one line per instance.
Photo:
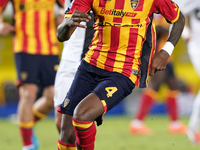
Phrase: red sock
(85, 133)
(146, 101)
(172, 105)
(65, 146)
(26, 135)
(26, 131)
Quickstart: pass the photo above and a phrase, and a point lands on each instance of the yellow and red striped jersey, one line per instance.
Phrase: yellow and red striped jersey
(124, 38)
(35, 27)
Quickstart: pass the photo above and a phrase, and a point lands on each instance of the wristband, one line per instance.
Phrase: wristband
(168, 47)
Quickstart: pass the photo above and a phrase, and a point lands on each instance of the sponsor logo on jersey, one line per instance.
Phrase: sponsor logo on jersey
(134, 4)
(118, 13)
(104, 23)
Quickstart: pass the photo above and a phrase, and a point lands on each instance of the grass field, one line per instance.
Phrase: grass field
(112, 135)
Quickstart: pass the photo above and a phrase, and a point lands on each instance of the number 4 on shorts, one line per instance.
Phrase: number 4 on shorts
(111, 91)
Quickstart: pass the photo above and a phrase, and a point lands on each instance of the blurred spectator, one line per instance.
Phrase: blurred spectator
(150, 94)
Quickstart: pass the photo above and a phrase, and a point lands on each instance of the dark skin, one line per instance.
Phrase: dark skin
(91, 107)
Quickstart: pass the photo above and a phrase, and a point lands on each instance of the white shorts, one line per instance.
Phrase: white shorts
(194, 53)
(63, 80)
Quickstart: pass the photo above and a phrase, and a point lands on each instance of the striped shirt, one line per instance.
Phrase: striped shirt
(124, 38)
(35, 27)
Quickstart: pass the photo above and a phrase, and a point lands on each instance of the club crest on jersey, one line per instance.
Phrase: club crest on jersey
(24, 76)
(66, 102)
(134, 4)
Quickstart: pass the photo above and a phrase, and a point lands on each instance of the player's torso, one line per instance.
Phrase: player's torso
(121, 29)
(35, 30)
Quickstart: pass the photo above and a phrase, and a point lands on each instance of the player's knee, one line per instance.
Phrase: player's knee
(50, 105)
(81, 115)
(27, 94)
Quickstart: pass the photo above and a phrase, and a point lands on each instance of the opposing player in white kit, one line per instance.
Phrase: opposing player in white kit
(192, 10)
(73, 51)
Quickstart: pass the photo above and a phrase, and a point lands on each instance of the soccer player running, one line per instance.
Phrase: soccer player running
(121, 56)
(150, 94)
(36, 51)
(73, 51)
(192, 35)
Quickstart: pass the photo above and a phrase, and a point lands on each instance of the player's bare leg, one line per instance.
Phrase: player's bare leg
(58, 117)
(85, 113)
(149, 95)
(27, 94)
(44, 105)
(175, 126)
(84, 116)
(67, 137)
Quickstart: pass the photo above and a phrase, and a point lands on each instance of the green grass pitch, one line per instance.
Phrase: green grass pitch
(112, 135)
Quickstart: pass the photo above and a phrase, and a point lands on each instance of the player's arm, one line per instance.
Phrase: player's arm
(160, 59)
(5, 28)
(69, 24)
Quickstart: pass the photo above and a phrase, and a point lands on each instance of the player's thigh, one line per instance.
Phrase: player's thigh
(109, 91)
(89, 108)
(48, 92)
(112, 90)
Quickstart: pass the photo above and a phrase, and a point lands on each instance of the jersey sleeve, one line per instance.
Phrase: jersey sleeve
(3, 4)
(168, 9)
(81, 5)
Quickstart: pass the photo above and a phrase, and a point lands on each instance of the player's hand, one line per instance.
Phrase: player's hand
(6, 28)
(159, 62)
(76, 18)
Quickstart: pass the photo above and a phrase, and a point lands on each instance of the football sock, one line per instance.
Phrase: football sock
(37, 115)
(147, 99)
(26, 132)
(65, 146)
(85, 132)
(172, 105)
